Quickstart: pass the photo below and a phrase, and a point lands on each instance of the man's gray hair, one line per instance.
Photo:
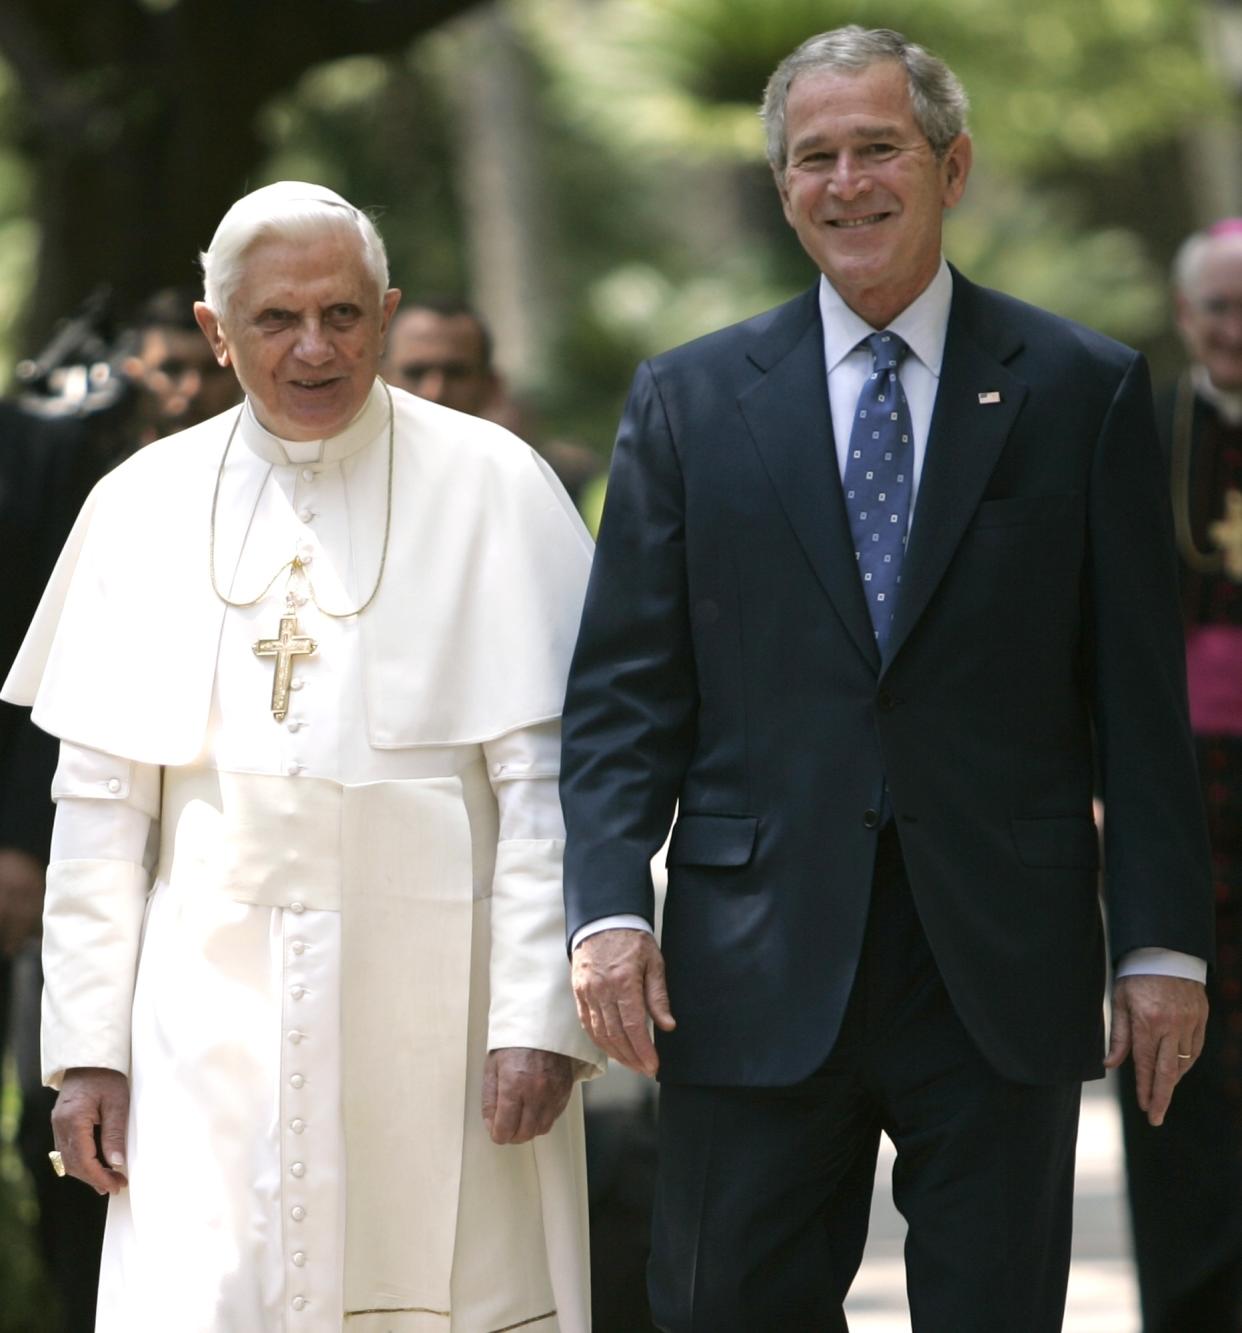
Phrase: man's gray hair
(1193, 251)
(294, 210)
(936, 94)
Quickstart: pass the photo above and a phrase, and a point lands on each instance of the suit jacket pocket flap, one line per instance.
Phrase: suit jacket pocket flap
(1018, 510)
(1065, 842)
(712, 840)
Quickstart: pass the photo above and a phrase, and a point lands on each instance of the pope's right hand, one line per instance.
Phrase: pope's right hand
(618, 980)
(90, 1097)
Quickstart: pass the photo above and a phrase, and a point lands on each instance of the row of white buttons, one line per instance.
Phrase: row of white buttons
(297, 1081)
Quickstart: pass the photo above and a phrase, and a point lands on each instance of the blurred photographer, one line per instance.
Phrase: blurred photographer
(170, 363)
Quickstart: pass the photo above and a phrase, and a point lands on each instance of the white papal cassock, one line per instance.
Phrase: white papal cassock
(300, 938)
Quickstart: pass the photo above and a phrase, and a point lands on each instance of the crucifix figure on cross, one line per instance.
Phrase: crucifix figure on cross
(1226, 534)
(284, 649)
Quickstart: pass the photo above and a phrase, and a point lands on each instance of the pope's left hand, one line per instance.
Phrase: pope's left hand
(1157, 1021)
(524, 1091)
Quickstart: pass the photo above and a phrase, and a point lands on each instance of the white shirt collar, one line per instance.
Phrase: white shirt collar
(1228, 405)
(923, 324)
(370, 420)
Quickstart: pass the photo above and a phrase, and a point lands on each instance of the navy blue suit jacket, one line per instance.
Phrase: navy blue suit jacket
(726, 663)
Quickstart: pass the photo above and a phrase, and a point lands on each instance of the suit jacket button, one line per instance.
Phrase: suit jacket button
(887, 701)
(871, 819)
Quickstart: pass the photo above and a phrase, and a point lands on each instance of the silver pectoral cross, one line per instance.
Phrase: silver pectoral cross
(284, 649)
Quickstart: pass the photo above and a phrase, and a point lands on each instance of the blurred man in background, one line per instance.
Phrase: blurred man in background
(440, 348)
(1186, 1180)
(172, 367)
(442, 351)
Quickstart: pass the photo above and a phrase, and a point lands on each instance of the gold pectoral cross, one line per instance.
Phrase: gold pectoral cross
(1226, 535)
(291, 644)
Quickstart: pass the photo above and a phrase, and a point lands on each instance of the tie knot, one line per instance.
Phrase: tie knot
(887, 349)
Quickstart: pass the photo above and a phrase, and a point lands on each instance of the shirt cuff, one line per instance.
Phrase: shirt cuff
(626, 921)
(1155, 962)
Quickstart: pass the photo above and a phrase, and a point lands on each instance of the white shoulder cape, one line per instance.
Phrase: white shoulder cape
(469, 636)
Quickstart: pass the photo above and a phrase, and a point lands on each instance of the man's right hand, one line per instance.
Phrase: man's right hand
(90, 1097)
(618, 980)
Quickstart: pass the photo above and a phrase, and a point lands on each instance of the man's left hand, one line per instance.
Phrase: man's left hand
(1157, 1021)
(524, 1091)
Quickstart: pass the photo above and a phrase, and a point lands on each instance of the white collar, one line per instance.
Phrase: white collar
(1227, 405)
(366, 425)
(923, 324)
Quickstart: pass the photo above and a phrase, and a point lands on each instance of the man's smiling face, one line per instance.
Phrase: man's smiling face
(863, 188)
(303, 331)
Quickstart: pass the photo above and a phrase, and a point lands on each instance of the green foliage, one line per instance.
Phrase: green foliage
(1050, 79)
(1033, 245)
(19, 242)
(27, 1302)
(1063, 92)
(375, 130)
(646, 115)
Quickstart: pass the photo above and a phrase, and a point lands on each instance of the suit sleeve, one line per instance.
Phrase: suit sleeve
(632, 698)
(1156, 859)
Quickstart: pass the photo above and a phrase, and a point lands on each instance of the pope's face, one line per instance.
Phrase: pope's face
(1210, 313)
(303, 332)
(862, 187)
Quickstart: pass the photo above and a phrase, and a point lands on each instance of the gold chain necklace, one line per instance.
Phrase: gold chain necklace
(295, 565)
(1202, 562)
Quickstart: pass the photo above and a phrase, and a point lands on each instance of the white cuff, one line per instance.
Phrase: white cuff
(1161, 963)
(626, 921)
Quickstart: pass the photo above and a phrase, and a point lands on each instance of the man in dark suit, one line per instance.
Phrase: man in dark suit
(884, 575)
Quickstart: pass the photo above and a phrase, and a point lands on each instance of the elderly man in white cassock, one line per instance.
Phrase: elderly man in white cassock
(305, 981)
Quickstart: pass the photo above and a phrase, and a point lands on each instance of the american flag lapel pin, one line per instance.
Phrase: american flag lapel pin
(991, 396)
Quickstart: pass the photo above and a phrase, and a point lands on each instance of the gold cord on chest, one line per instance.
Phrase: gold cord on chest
(1226, 532)
(290, 643)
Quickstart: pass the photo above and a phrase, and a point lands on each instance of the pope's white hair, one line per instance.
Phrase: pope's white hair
(294, 210)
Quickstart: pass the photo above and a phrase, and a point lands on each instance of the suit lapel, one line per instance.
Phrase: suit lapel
(786, 410)
(969, 428)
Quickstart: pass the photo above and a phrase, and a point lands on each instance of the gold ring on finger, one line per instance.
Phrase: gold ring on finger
(57, 1161)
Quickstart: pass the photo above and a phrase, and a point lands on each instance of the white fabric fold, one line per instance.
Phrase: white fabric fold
(491, 575)
(93, 923)
(530, 985)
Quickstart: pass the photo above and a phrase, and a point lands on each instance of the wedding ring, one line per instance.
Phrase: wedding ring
(1180, 1056)
(58, 1162)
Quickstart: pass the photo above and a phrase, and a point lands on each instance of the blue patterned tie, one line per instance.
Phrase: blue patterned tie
(878, 477)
